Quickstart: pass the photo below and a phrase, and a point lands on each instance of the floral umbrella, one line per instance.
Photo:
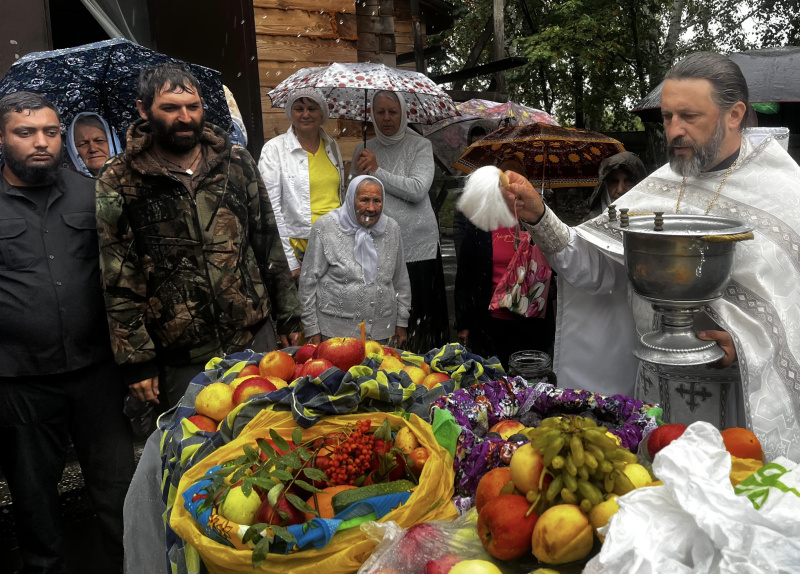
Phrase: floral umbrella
(348, 88)
(517, 114)
(553, 155)
(102, 78)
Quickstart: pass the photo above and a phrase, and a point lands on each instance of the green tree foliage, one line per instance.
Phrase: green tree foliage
(590, 61)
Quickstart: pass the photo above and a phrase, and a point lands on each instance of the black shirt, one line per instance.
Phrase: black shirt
(52, 315)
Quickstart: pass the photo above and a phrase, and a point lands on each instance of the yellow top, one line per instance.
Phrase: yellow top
(323, 179)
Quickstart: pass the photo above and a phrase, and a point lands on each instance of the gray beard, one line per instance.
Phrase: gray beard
(702, 156)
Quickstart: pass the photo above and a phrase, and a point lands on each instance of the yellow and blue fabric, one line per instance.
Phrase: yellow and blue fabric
(363, 388)
(315, 533)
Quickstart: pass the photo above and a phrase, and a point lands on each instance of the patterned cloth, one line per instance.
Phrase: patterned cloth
(198, 274)
(362, 389)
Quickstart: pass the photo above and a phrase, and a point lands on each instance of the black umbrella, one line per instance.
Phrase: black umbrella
(101, 77)
(772, 74)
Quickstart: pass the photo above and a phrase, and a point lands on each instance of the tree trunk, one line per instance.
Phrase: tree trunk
(580, 118)
(669, 51)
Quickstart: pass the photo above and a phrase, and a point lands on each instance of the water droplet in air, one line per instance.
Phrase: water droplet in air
(239, 75)
(13, 42)
(337, 40)
(264, 17)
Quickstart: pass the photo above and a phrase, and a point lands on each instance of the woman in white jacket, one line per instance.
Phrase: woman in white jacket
(303, 173)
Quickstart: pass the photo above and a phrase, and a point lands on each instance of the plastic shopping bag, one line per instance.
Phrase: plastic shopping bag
(697, 523)
(348, 549)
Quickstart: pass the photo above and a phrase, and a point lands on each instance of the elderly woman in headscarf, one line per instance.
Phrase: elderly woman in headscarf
(403, 162)
(354, 271)
(90, 142)
(303, 173)
(617, 176)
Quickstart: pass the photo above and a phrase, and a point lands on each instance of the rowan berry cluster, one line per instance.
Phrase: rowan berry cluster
(352, 457)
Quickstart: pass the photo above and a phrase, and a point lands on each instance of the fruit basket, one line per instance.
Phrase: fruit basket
(220, 541)
(479, 408)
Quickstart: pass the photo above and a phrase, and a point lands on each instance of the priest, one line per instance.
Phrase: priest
(715, 170)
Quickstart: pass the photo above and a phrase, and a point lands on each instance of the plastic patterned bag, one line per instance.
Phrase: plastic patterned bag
(524, 286)
(348, 549)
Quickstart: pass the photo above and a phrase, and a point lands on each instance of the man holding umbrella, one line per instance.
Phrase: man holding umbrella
(191, 259)
(714, 170)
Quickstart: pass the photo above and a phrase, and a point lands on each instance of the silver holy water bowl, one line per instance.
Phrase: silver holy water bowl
(678, 263)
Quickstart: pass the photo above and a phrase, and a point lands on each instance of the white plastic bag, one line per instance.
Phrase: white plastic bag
(696, 523)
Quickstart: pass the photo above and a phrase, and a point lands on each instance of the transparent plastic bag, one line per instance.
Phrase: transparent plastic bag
(413, 550)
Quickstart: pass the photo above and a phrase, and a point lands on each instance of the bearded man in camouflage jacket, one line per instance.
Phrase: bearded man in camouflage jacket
(191, 259)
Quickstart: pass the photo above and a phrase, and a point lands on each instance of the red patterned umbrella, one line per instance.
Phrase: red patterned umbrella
(348, 89)
(552, 156)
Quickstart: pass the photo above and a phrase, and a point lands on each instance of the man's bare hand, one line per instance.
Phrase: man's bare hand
(366, 162)
(521, 194)
(296, 274)
(145, 391)
(463, 336)
(314, 339)
(725, 342)
(400, 338)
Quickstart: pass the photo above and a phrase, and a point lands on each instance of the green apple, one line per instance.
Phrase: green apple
(239, 507)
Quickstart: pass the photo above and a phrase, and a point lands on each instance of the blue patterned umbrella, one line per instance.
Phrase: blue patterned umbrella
(101, 77)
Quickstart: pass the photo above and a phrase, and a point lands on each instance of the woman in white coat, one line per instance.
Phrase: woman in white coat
(303, 173)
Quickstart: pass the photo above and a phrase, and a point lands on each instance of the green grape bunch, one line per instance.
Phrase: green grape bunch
(584, 462)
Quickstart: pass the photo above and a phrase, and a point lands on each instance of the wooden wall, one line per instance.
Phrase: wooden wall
(296, 34)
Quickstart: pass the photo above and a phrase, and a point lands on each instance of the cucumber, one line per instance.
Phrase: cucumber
(344, 499)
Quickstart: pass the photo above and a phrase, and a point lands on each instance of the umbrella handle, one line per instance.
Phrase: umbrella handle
(364, 125)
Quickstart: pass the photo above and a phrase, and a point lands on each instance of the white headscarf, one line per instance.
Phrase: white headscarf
(365, 253)
(402, 130)
(111, 136)
(311, 94)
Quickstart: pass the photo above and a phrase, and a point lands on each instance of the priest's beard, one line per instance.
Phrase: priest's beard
(31, 174)
(167, 137)
(702, 157)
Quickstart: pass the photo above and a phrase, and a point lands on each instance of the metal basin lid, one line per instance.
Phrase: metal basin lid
(680, 225)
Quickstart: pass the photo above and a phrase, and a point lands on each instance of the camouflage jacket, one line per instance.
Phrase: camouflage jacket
(188, 278)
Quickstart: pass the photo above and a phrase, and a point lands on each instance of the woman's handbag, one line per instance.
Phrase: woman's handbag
(525, 284)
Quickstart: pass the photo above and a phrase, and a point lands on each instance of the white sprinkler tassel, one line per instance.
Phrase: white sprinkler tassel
(482, 201)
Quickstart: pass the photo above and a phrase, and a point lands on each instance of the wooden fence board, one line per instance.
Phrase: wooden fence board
(292, 22)
(291, 49)
(312, 5)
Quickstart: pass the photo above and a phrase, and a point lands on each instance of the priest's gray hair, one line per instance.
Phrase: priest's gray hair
(728, 84)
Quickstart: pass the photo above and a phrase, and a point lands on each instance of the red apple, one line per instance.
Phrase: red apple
(662, 436)
(304, 353)
(343, 352)
(277, 364)
(315, 367)
(442, 565)
(249, 370)
(250, 387)
(504, 529)
(299, 371)
(266, 515)
(388, 351)
(507, 427)
(203, 423)
(434, 379)
(322, 463)
(490, 485)
(414, 548)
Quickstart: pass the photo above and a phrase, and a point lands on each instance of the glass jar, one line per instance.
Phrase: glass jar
(533, 366)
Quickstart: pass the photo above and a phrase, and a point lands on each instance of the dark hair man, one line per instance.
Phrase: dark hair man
(58, 378)
(191, 259)
(713, 169)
